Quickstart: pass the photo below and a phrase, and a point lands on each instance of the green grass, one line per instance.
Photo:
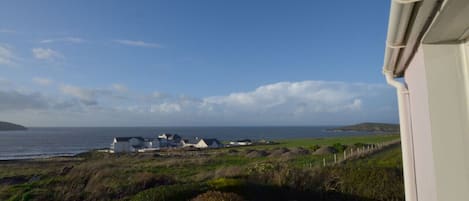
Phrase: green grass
(101, 176)
(309, 142)
(392, 157)
(370, 139)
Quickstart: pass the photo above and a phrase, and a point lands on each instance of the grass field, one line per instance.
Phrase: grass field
(287, 170)
(368, 139)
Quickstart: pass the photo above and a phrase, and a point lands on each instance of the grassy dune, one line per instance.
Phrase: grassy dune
(288, 170)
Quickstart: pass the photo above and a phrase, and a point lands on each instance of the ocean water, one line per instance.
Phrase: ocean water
(47, 142)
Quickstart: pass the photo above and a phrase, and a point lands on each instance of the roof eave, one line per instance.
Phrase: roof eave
(408, 23)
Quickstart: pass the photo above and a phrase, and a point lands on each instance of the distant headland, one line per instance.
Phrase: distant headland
(6, 126)
(368, 127)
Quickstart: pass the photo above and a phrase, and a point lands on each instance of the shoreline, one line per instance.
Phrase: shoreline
(52, 156)
(56, 156)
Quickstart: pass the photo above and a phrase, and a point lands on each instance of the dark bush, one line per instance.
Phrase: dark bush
(218, 196)
(172, 192)
(370, 182)
(359, 144)
(315, 147)
(339, 148)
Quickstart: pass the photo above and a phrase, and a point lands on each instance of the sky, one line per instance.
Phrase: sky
(194, 63)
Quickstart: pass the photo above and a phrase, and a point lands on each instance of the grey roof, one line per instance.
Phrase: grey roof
(191, 141)
(210, 141)
(151, 139)
(244, 140)
(125, 139)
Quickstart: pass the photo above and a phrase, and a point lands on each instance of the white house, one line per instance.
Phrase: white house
(208, 143)
(189, 142)
(428, 45)
(170, 136)
(241, 142)
(126, 144)
(152, 143)
(169, 140)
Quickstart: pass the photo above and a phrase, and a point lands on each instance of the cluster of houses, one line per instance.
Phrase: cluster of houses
(165, 140)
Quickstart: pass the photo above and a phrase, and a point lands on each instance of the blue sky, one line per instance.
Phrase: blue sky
(156, 63)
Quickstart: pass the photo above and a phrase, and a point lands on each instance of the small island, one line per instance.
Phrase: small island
(368, 127)
(6, 126)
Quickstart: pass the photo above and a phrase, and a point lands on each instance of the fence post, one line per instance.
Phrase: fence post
(324, 162)
(335, 158)
(345, 155)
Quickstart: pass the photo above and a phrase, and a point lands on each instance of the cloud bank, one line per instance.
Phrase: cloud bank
(7, 58)
(42, 81)
(46, 54)
(137, 43)
(283, 103)
(63, 40)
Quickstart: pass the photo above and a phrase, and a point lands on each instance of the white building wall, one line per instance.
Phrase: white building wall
(120, 147)
(201, 144)
(416, 81)
(446, 73)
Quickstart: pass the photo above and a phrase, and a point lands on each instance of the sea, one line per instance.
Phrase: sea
(68, 141)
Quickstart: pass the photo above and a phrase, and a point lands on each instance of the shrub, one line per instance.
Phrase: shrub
(170, 192)
(315, 147)
(283, 175)
(218, 196)
(359, 144)
(228, 171)
(370, 182)
(339, 148)
(223, 183)
(203, 176)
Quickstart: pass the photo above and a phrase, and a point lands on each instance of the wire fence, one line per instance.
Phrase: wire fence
(352, 153)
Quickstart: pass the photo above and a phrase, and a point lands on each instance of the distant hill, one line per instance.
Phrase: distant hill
(5, 126)
(369, 127)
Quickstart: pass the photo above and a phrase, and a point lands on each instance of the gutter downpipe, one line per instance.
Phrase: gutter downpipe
(399, 18)
(407, 147)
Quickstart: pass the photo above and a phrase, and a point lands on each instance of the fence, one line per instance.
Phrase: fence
(353, 153)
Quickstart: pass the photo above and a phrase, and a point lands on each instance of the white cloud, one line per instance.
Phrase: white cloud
(65, 40)
(120, 87)
(86, 96)
(159, 95)
(166, 108)
(14, 100)
(46, 54)
(283, 103)
(310, 96)
(138, 43)
(7, 57)
(42, 81)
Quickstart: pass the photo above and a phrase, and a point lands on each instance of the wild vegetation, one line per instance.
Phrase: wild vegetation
(289, 170)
